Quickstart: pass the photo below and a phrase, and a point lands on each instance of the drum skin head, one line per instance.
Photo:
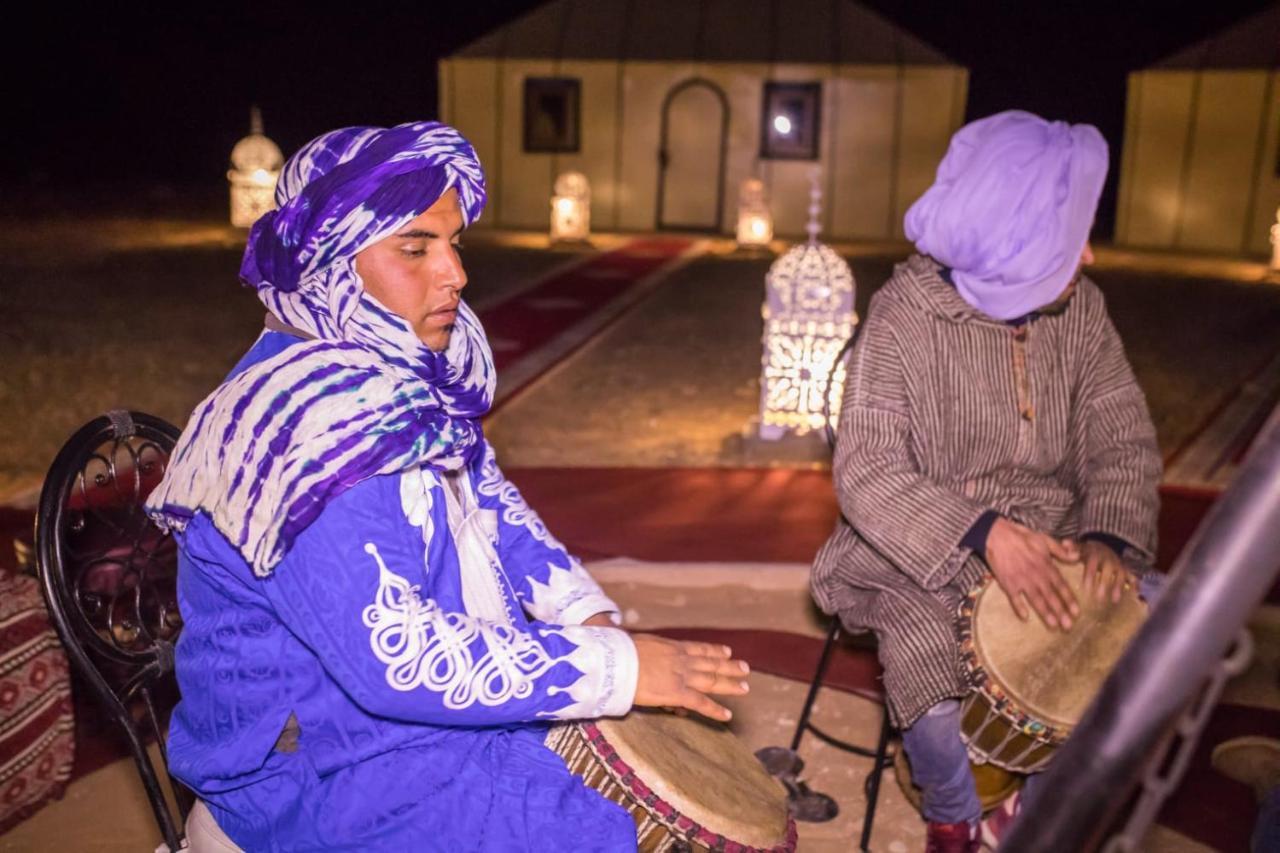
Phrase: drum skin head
(704, 771)
(1051, 675)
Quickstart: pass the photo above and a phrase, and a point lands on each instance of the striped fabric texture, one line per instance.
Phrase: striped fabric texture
(267, 450)
(37, 730)
(948, 413)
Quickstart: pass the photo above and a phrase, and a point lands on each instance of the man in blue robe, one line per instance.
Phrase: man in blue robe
(378, 629)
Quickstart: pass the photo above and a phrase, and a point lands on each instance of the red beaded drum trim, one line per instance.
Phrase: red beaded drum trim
(666, 813)
(987, 686)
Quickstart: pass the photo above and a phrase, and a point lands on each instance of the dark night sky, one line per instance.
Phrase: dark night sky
(156, 97)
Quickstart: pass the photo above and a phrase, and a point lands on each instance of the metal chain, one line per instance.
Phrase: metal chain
(1169, 762)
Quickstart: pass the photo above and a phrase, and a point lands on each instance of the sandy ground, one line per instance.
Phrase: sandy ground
(106, 813)
(143, 313)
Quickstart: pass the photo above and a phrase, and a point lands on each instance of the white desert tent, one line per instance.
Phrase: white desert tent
(1201, 168)
(668, 105)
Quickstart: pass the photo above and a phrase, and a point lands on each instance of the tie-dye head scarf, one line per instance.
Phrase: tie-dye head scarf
(1011, 208)
(268, 449)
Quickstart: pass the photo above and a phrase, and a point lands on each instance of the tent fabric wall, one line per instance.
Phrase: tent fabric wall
(1200, 165)
(883, 130)
(889, 105)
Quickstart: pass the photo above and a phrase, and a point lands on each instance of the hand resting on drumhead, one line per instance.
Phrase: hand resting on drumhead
(1022, 561)
(1104, 575)
(680, 674)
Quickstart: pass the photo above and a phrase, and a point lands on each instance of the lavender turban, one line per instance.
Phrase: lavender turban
(346, 188)
(1011, 208)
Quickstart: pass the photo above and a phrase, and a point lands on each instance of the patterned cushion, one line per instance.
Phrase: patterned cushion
(37, 741)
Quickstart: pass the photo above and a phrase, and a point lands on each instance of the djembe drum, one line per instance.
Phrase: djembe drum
(1031, 684)
(994, 784)
(688, 783)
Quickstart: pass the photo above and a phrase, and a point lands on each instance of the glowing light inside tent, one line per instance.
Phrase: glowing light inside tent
(808, 316)
(782, 124)
(571, 207)
(255, 167)
(755, 222)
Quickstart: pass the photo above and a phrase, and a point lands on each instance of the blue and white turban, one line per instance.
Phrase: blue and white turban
(265, 453)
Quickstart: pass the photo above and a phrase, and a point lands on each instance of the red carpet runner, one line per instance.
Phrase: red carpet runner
(537, 327)
(519, 325)
(731, 514)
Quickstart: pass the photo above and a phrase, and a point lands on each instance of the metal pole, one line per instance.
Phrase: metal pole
(1218, 580)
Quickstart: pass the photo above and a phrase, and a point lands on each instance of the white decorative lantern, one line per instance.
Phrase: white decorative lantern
(571, 207)
(808, 317)
(1275, 243)
(255, 166)
(755, 223)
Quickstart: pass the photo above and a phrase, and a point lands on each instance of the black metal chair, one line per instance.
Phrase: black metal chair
(867, 683)
(109, 579)
(869, 689)
(862, 677)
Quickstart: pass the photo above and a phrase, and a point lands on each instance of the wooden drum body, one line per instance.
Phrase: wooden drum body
(688, 782)
(1031, 684)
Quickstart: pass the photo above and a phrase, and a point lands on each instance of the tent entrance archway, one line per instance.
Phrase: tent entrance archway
(691, 157)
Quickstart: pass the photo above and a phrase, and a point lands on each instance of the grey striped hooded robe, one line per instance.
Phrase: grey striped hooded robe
(948, 413)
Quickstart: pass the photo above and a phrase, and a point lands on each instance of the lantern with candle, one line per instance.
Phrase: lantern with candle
(571, 207)
(255, 166)
(808, 317)
(755, 223)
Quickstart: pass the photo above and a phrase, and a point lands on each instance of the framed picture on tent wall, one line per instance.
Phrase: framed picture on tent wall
(552, 119)
(790, 121)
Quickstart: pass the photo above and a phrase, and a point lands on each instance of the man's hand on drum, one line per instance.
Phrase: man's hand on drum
(1022, 561)
(1104, 575)
(679, 674)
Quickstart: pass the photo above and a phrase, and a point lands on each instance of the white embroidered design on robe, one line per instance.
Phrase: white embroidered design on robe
(415, 500)
(514, 509)
(564, 587)
(422, 646)
(483, 584)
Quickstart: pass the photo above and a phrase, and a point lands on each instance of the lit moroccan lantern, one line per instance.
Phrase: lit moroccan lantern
(571, 207)
(808, 317)
(755, 223)
(1275, 243)
(255, 166)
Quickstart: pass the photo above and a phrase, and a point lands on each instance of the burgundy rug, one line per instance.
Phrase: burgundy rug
(732, 514)
(532, 318)
(766, 515)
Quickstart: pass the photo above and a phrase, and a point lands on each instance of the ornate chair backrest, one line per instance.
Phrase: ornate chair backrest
(110, 581)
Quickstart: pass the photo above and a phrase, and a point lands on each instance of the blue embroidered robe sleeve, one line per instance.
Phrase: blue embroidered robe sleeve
(381, 605)
(384, 760)
(550, 582)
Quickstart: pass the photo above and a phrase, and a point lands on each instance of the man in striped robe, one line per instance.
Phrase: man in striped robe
(991, 422)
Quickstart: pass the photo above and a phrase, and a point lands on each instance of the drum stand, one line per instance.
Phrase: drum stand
(785, 764)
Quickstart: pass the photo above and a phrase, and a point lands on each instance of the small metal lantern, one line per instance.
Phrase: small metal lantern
(571, 207)
(808, 317)
(255, 167)
(755, 223)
